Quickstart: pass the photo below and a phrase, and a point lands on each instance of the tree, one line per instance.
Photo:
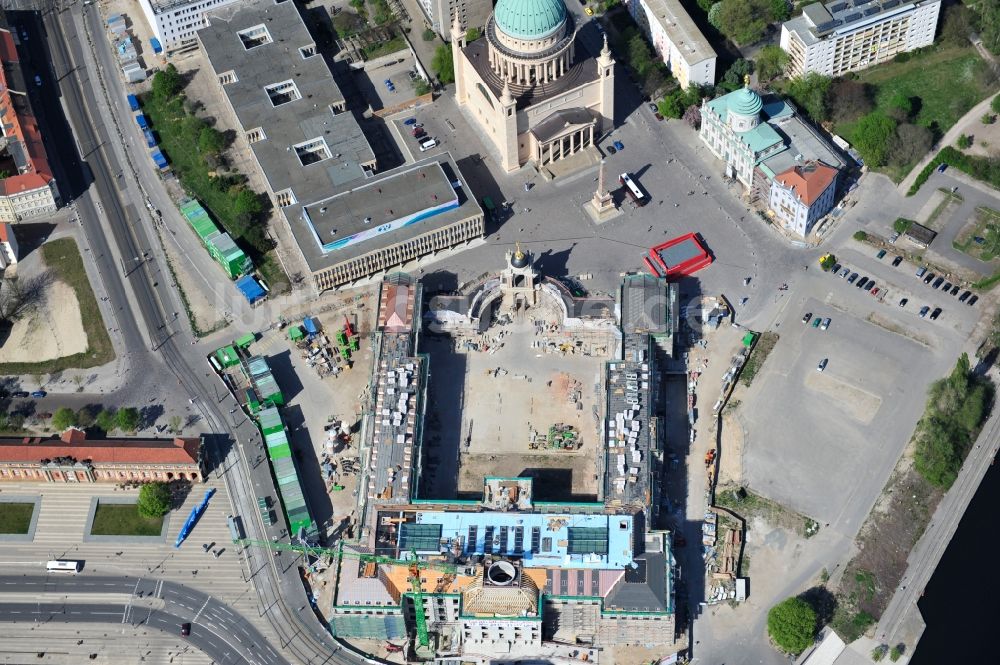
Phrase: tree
(848, 100)
(706, 4)
(472, 34)
(105, 420)
(780, 10)
(872, 137)
(167, 82)
(713, 16)
(154, 500)
(85, 416)
(995, 104)
(900, 106)
(428, 35)
(247, 202)
(421, 87)
(175, 424)
(771, 62)
(792, 625)
(910, 144)
(127, 419)
(63, 418)
(443, 64)
(959, 23)
(734, 76)
(639, 56)
(692, 116)
(743, 21)
(671, 106)
(860, 236)
(988, 119)
(902, 225)
(896, 653)
(989, 25)
(211, 141)
(810, 93)
(964, 142)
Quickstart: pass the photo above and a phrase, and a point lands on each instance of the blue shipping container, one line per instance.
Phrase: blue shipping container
(141, 119)
(150, 139)
(133, 102)
(155, 43)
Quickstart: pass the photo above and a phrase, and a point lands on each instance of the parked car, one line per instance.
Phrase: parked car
(962, 298)
(835, 269)
(822, 364)
(659, 116)
(816, 322)
(854, 276)
(612, 150)
(941, 168)
(881, 253)
(862, 282)
(845, 272)
(410, 121)
(825, 324)
(954, 290)
(921, 271)
(619, 146)
(38, 394)
(893, 238)
(417, 130)
(936, 313)
(929, 277)
(806, 317)
(896, 261)
(902, 303)
(588, 11)
(185, 629)
(947, 287)
(937, 282)
(652, 107)
(875, 292)
(972, 300)
(924, 310)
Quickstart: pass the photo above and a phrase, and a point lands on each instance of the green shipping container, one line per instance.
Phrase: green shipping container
(228, 255)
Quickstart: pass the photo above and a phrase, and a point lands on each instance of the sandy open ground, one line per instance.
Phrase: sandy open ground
(52, 330)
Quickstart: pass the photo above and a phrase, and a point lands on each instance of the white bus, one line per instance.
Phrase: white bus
(64, 566)
(632, 189)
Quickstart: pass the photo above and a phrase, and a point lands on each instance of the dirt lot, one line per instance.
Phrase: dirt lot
(52, 330)
(487, 405)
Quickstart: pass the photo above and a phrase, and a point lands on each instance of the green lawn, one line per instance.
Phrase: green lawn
(173, 126)
(123, 519)
(948, 81)
(63, 258)
(15, 517)
(987, 227)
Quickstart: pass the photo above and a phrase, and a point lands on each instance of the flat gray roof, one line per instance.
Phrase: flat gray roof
(819, 20)
(803, 142)
(681, 30)
(360, 216)
(313, 97)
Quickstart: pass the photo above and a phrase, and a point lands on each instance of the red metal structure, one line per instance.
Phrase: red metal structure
(677, 257)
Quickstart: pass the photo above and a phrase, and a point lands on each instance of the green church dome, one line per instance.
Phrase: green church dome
(530, 19)
(745, 102)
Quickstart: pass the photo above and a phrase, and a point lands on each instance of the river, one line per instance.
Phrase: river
(959, 603)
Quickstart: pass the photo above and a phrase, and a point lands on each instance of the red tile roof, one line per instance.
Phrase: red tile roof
(20, 126)
(808, 181)
(74, 443)
(6, 232)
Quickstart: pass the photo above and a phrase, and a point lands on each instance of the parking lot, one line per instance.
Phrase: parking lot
(851, 420)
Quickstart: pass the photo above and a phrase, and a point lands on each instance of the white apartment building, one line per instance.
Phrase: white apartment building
(837, 37)
(801, 196)
(441, 13)
(176, 22)
(685, 51)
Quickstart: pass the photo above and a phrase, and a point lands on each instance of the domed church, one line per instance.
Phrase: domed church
(535, 93)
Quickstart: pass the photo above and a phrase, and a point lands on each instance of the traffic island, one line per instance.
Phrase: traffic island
(18, 517)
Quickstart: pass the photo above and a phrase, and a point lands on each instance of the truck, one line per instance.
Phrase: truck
(141, 119)
(150, 139)
(133, 102)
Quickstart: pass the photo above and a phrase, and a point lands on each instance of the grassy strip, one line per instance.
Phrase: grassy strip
(986, 169)
(757, 357)
(15, 517)
(379, 49)
(63, 258)
(123, 519)
(748, 505)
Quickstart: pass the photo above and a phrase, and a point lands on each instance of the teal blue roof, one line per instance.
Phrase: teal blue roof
(744, 102)
(529, 19)
(761, 137)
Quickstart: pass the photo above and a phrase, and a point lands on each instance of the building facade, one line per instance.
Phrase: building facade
(801, 195)
(73, 458)
(842, 36)
(8, 245)
(677, 40)
(29, 190)
(176, 22)
(529, 85)
(440, 14)
(759, 140)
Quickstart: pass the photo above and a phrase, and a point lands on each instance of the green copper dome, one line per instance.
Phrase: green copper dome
(745, 102)
(529, 19)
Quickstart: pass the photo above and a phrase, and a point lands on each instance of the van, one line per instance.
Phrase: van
(428, 144)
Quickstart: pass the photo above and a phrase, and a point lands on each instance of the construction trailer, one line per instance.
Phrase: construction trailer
(220, 245)
(286, 475)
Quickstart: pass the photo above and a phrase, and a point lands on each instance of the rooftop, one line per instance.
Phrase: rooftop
(279, 85)
(820, 20)
(74, 443)
(807, 181)
(629, 435)
(396, 205)
(681, 29)
(802, 144)
(530, 19)
(21, 135)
